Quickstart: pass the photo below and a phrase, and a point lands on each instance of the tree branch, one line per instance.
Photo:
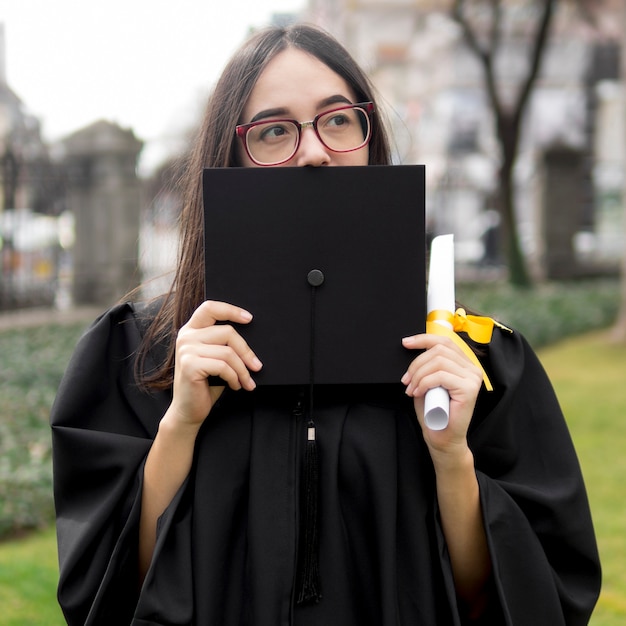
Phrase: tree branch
(485, 56)
(496, 18)
(536, 55)
(468, 33)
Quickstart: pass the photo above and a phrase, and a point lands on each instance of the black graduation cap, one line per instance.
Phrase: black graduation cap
(330, 261)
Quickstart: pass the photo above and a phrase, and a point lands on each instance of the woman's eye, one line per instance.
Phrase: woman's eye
(275, 131)
(339, 119)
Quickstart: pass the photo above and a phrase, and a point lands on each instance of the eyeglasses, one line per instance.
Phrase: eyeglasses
(272, 142)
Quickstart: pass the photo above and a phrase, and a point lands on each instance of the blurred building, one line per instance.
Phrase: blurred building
(433, 87)
(30, 192)
(569, 170)
(69, 225)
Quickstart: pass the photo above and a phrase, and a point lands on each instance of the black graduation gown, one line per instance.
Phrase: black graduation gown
(226, 546)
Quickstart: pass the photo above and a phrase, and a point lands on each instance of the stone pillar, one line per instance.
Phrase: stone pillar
(562, 211)
(104, 195)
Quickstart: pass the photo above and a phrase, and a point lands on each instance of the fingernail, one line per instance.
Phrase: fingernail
(246, 315)
(407, 339)
(405, 379)
(256, 363)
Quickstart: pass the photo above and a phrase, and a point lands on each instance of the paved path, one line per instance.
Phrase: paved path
(27, 318)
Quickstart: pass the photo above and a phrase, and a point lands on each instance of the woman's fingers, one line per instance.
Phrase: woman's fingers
(223, 354)
(221, 342)
(442, 364)
(212, 311)
(208, 346)
(204, 327)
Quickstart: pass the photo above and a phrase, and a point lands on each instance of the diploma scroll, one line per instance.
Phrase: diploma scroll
(440, 297)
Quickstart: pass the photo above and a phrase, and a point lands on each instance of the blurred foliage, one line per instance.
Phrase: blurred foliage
(32, 362)
(549, 312)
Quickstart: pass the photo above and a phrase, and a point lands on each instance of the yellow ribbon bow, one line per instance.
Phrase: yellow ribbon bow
(479, 329)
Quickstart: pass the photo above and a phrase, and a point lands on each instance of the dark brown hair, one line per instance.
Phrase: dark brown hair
(215, 146)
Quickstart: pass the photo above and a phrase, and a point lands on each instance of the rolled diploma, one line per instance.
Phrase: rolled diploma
(440, 297)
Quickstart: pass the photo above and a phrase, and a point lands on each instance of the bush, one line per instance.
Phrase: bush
(32, 362)
(549, 312)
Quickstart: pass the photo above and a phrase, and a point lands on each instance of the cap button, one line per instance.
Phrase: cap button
(315, 278)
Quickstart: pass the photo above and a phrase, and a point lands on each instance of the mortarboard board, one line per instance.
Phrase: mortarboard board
(330, 261)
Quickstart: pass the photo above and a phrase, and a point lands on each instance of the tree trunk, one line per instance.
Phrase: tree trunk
(619, 331)
(508, 129)
(518, 274)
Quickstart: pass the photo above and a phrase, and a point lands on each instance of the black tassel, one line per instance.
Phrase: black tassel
(309, 532)
(308, 553)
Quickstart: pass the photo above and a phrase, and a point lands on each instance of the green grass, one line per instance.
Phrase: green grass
(589, 374)
(28, 577)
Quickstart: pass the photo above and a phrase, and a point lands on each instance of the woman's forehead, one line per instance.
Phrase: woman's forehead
(296, 82)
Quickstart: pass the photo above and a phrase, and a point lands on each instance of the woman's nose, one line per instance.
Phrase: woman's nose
(311, 150)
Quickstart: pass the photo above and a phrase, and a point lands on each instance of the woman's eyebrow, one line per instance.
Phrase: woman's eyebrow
(278, 112)
(336, 99)
(282, 112)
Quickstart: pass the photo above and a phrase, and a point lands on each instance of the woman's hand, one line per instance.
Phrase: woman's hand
(205, 348)
(443, 364)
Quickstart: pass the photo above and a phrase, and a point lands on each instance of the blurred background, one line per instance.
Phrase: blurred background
(516, 107)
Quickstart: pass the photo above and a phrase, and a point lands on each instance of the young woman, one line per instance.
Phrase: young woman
(177, 500)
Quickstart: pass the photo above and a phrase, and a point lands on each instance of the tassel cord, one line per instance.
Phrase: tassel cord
(309, 576)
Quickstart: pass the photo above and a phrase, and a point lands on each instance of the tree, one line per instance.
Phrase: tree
(508, 116)
(619, 331)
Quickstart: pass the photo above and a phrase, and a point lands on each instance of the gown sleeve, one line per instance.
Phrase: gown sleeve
(102, 428)
(536, 513)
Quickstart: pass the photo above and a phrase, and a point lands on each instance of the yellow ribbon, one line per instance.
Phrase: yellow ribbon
(479, 329)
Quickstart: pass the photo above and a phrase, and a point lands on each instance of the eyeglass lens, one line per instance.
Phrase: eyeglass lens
(275, 141)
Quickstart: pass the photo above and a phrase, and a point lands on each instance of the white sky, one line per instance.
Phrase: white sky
(144, 64)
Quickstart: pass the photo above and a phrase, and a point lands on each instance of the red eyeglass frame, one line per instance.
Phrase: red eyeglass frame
(241, 130)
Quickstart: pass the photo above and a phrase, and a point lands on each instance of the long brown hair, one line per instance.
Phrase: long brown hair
(215, 146)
